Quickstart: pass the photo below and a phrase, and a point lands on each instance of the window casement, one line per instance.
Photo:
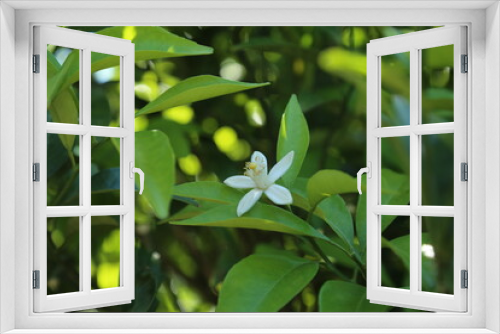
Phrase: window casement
(411, 129)
(58, 125)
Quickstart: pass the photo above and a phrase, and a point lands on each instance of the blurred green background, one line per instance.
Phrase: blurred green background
(182, 268)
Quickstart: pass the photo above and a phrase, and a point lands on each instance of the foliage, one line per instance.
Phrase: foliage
(265, 282)
(279, 89)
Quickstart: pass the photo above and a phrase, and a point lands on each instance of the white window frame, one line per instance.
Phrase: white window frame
(414, 43)
(16, 21)
(85, 297)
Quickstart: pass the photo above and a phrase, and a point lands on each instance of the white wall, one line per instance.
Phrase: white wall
(492, 163)
(7, 160)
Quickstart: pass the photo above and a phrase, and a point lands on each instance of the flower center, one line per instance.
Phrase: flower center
(251, 165)
(255, 170)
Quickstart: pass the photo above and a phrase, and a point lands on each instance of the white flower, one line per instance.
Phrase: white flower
(256, 177)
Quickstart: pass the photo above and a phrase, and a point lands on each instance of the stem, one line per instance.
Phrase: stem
(310, 214)
(355, 274)
(346, 252)
(360, 267)
(325, 258)
(66, 187)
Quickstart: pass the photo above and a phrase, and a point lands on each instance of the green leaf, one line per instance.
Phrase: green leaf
(335, 213)
(177, 133)
(195, 89)
(265, 282)
(401, 247)
(57, 155)
(64, 109)
(154, 155)
(106, 180)
(149, 277)
(157, 42)
(260, 217)
(438, 57)
(310, 100)
(100, 112)
(293, 136)
(208, 191)
(328, 182)
(299, 193)
(395, 191)
(150, 43)
(189, 211)
(340, 296)
(348, 65)
(361, 223)
(337, 254)
(57, 74)
(351, 66)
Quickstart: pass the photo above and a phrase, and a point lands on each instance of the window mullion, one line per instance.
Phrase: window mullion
(85, 163)
(414, 171)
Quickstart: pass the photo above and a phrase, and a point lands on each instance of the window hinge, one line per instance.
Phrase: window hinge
(36, 172)
(36, 279)
(464, 279)
(464, 172)
(465, 64)
(36, 63)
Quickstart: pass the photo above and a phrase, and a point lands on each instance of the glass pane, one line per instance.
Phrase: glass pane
(105, 90)
(105, 236)
(63, 80)
(395, 93)
(437, 169)
(63, 169)
(396, 251)
(437, 254)
(105, 182)
(395, 170)
(63, 255)
(437, 84)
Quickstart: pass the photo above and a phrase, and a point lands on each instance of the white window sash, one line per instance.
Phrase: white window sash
(85, 298)
(414, 297)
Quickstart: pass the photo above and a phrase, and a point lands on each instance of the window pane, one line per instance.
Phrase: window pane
(395, 92)
(437, 254)
(63, 255)
(395, 170)
(63, 80)
(106, 90)
(105, 168)
(105, 234)
(63, 168)
(437, 169)
(396, 251)
(437, 84)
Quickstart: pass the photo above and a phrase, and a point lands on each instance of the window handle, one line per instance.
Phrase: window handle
(141, 176)
(368, 171)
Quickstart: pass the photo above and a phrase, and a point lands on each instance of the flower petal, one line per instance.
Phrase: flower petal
(240, 182)
(279, 195)
(248, 201)
(260, 158)
(281, 167)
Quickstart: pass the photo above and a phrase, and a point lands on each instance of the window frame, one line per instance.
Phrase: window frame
(86, 44)
(481, 317)
(414, 44)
